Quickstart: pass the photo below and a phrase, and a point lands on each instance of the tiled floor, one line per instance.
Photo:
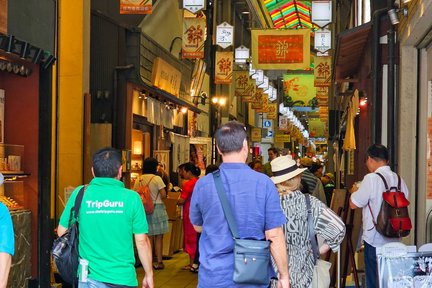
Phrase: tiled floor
(173, 276)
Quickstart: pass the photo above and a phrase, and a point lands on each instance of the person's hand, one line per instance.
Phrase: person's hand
(147, 282)
(283, 283)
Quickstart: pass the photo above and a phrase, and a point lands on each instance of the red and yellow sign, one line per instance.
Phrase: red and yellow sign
(3, 16)
(224, 67)
(257, 102)
(322, 71)
(281, 49)
(194, 36)
(166, 77)
(136, 6)
(272, 111)
(256, 134)
(299, 90)
(264, 104)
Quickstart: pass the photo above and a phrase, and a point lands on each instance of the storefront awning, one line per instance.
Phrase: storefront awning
(349, 51)
(170, 98)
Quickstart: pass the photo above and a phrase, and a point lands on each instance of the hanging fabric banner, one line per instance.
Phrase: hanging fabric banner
(322, 96)
(299, 90)
(249, 93)
(194, 36)
(281, 49)
(243, 86)
(136, 6)
(224, 67)
(264, 104)
(272, 111)
(257, 102)
(322, 71)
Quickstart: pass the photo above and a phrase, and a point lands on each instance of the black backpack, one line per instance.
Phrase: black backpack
(393, 220)
(65, 248)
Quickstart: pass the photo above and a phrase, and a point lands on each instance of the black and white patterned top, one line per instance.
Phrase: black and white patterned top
(327, 225)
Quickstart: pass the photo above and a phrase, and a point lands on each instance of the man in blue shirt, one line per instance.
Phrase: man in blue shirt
(7, 247)
(256, 208)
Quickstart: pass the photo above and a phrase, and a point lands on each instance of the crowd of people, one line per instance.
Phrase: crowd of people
(269, 205)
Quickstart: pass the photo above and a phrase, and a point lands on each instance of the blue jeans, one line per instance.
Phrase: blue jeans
(91, 284)
(371, 266)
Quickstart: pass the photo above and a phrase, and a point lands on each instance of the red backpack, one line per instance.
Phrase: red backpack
(393, 220)
(145, 194)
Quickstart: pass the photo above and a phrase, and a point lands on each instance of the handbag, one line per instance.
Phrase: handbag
(251, 257)
(65, 249)
(321, 275)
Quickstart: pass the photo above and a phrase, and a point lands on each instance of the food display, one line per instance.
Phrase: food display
(10, 203)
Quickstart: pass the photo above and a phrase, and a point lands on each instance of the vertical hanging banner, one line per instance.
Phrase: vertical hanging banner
(299, 90)
(281, 49)
(194, 6)
(194, 35)
(257, 102)
(136, 6)
(224, 67)
(224, 35)
(264, 104)
(322, 71)
(3, 16)
(272, 111)
(251, 88)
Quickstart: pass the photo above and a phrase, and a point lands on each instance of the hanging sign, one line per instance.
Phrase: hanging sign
(3, 16)
(256, 134)
(166, 77)
(251, 89)
(323, 40)
(281, 49)
(194, 35)
(193, 5)
(257, 102)
(224, 67)
(224, 35)
(136, 6)
(272, 111)
(282, 138)
(242, 86)
(322, 71)
(321, 12)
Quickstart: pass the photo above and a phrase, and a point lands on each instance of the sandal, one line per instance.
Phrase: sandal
(158, 266)
(187, 267)
(194, 269)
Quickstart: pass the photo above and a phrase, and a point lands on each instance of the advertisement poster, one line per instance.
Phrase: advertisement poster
(194, 36)
(281, 49)
(136, 6)
(224, 67)
(299, 90)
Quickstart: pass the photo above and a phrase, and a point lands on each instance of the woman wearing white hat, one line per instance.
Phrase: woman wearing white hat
(287, 177)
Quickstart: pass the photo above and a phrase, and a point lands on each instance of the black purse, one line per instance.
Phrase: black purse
(251, 257)
(65, 249)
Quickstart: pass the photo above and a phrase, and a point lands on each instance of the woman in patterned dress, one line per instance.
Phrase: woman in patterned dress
(328, 226)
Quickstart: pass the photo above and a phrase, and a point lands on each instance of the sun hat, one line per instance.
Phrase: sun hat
(284, 168)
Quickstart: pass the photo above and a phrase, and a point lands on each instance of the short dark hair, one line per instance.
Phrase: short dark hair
(190, 167)
(378, 152)
(211, 168)
(106, 162)
(230, 137)
(274, 150)
(150, 165)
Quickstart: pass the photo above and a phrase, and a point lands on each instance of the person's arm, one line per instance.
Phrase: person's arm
(143, 245)
(352, 205)
(5, 264)
(60, 230)
(279, 252)
(163, 193)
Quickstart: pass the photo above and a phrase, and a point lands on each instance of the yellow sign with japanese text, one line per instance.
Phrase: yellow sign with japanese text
(224, 67)
(322, 71)
(282, 138)
(166, 77)
(256, 135)
(194, 36)
(136, 6)
(272, 111)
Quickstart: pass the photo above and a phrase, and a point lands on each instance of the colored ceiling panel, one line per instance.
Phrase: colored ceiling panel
(290, 14)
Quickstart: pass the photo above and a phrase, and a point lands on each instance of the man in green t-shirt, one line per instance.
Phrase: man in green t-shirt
(110, 217)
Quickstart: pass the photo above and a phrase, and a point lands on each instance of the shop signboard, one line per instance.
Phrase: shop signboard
(256, 134)
(3, 16)
(281, 49)
(166, 77)
(248, 96)
(322, 71)
(194, 36)
(282, 138)
(323, 40)
(283, 123)
(136, 6)
(264, 104)
(224, 67)
(224, 35)
(257, 99)
(321, 12)
(272, 111)
(194, 6)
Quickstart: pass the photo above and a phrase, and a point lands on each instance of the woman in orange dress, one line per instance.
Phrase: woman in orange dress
(190, 173)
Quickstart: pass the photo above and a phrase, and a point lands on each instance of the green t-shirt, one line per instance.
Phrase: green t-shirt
(110, 214)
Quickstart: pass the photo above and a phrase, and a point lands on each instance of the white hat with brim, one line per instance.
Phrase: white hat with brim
(284, 168)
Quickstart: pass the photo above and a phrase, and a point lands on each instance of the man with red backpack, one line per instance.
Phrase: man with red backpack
(373, 189)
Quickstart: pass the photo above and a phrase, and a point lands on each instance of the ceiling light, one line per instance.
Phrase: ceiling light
(184, 110)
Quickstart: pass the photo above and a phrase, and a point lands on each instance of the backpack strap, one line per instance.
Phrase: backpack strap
(385, 182)
(399, 183)
(386, 188)
(77, 205)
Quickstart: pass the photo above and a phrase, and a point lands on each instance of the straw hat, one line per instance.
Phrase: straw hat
(284, 168)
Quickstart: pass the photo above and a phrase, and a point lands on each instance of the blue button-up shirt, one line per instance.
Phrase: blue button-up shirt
(255, 204)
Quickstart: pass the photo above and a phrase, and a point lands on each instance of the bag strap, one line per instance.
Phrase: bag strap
(385, 182)
(312, 237)
(76, 208)
(225, 204)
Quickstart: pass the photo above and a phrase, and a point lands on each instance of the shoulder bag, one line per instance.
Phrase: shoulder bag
(251, 257)
(65, 249)
(321, 275)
